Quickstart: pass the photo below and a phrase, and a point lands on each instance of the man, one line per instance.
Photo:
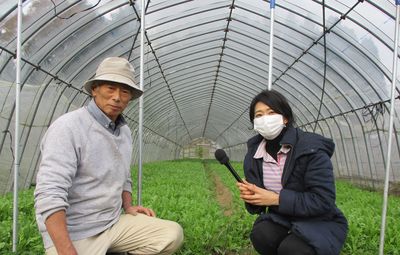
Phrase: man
(84, 180)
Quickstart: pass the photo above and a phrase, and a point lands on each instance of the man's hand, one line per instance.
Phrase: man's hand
(254, 195)
(134, 210)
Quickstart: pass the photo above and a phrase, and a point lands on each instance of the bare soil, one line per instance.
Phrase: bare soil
(223, 194)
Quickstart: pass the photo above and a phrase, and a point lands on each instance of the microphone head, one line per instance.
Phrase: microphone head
(221, 156)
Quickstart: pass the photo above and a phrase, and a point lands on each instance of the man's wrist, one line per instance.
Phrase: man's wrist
(126, 207)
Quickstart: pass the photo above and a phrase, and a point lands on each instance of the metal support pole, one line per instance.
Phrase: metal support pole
(271, 43)
(140, 136)
(16, 134)
(389, 150)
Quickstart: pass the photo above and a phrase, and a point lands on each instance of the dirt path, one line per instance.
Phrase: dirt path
(225, 199)
(224, 195)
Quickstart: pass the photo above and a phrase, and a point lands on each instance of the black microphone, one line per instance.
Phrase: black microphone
(221, 156)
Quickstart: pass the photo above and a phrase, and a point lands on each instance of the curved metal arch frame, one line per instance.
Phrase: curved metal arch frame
(344, 39)
(343, 77)
(304, 62)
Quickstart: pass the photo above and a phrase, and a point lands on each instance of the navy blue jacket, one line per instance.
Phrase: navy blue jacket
(307, 200)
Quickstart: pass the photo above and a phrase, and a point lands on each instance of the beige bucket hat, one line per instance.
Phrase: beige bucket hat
(115, 69)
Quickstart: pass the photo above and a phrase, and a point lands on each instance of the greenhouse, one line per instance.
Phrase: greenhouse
(200, 64)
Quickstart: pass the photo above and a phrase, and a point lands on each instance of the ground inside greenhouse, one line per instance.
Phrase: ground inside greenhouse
(224, 197)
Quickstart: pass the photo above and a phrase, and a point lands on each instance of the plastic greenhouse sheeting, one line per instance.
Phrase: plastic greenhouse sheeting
(203, 63)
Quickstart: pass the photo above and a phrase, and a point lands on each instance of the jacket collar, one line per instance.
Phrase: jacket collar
(290, 136)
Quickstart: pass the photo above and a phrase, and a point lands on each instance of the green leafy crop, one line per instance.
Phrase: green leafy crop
(202, 197)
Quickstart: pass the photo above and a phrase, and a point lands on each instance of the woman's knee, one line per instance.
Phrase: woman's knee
(266, 236)
(258, 236)
(295, 245)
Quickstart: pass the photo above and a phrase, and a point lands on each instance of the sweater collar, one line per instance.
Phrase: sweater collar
(105, 121)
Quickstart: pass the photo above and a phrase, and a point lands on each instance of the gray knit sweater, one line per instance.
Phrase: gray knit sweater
(84, 170)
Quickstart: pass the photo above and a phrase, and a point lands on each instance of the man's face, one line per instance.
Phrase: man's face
(112, 98)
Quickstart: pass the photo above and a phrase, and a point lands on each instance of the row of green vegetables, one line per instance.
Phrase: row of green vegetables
(186, 191)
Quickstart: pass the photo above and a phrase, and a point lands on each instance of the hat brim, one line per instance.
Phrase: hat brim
(137, 92)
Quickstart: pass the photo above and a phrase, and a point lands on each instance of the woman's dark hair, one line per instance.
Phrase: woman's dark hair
(276, 101)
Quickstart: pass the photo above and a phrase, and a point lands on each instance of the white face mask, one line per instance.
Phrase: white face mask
(269, 126)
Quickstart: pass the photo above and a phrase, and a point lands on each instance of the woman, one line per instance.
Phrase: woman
(290, 184)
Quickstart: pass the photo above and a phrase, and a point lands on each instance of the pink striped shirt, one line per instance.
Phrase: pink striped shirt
(272, 170)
